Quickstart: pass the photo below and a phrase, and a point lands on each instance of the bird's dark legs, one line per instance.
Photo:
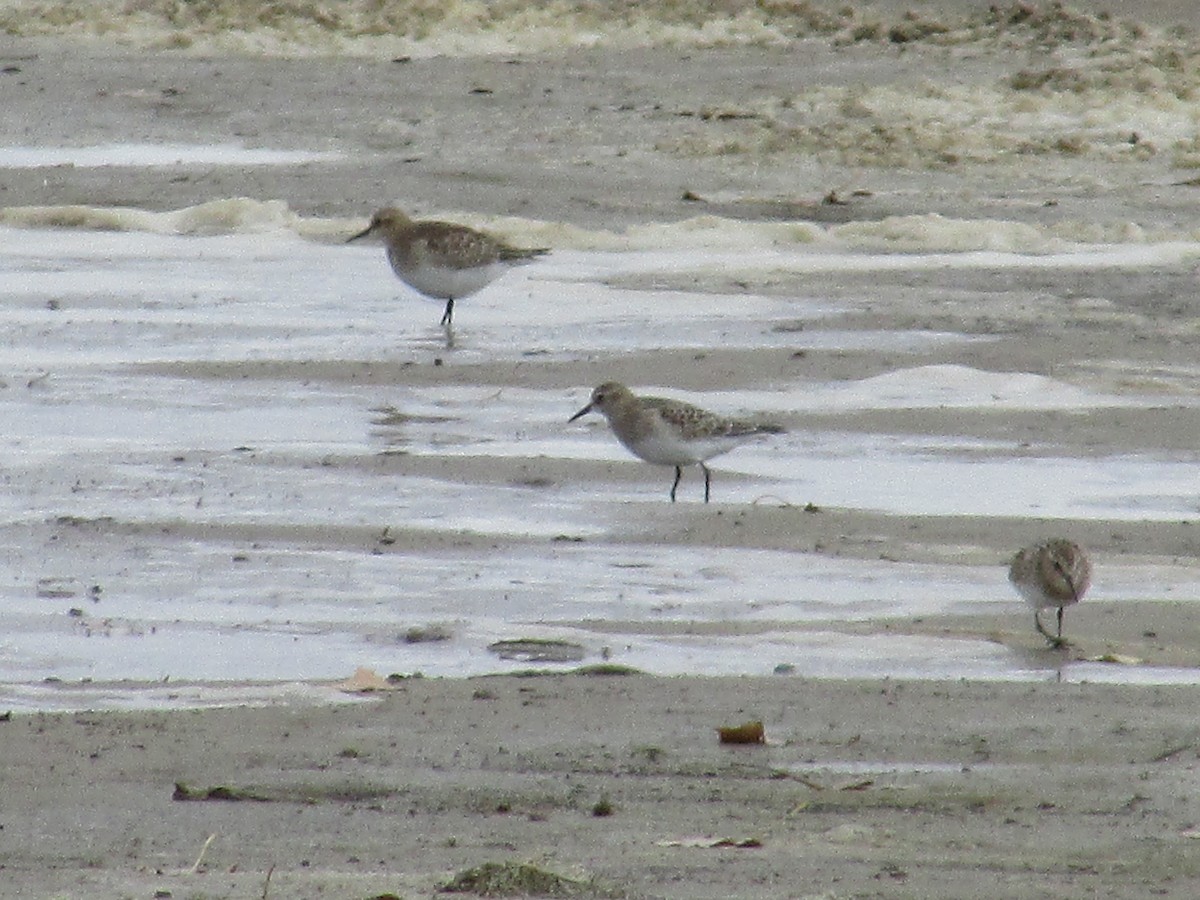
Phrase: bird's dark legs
(707, 484)
(449, 313)
(1054, 640)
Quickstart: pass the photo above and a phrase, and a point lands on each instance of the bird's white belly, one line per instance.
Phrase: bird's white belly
(447, 284)
(669, 450)
(1037, 598)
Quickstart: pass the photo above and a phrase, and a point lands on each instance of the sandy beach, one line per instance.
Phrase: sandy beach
(615, 782)
(618, 785)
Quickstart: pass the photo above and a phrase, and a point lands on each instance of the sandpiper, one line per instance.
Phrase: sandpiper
(1052, 574)
(670, 432)
(443, 260)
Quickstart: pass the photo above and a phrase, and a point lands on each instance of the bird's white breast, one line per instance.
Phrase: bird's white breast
(1034, 595)
(445, 283)
(664, 447)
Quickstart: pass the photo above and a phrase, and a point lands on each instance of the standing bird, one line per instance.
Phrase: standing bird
(670, 432)
(443, 260)
(1052, 574)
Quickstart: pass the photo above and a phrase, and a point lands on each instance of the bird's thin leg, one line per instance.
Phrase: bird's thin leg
(1060, 615)
(707, 480)
(449, 313)
(1041, 629)
(675, 484)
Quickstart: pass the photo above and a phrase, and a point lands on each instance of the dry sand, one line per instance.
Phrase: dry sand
(864, 788)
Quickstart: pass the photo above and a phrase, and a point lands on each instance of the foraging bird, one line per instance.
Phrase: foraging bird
(670, 432)
(1049, 575)
(443, 260)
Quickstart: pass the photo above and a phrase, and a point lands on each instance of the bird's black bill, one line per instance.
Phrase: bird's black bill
(361, 234)
(583, 412)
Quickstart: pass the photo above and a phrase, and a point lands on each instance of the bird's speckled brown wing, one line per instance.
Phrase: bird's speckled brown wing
(694, 422)
(691, 421)
(451, 246)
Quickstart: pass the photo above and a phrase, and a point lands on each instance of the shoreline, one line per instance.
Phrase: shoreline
(1056, 786)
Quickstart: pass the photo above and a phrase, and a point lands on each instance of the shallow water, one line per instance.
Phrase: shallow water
(15, 157)
(164, 523)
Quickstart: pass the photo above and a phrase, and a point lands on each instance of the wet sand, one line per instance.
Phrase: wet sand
(599, 138)
(864, 788)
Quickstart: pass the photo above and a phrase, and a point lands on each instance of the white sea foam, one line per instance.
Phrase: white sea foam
(913, 241)
(952, 387)
(454, 27)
